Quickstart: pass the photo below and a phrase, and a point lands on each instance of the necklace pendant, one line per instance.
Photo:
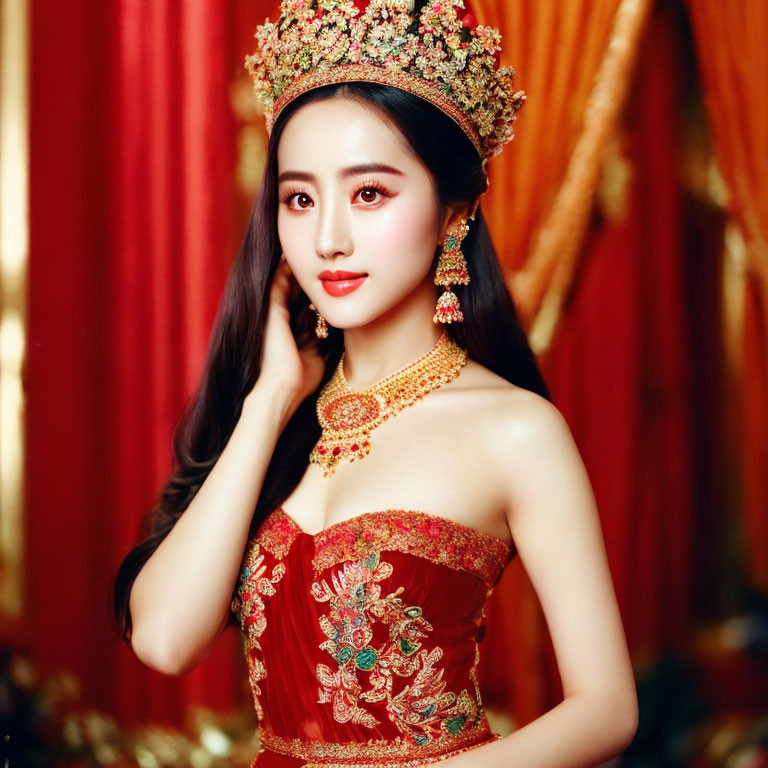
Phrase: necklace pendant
(350, 410)
(348, 417)
(334, 448)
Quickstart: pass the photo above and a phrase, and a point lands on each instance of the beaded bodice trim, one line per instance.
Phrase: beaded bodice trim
(394, 752)
(438, 539)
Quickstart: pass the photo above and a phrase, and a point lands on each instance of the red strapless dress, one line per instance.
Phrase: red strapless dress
(362, 640)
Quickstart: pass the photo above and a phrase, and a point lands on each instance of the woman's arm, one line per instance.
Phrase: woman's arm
(180, 599)
(554, 521)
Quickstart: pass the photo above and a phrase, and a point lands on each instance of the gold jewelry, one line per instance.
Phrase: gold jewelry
(441, 55)
(451, 270)
(321, 329)
(348, 416)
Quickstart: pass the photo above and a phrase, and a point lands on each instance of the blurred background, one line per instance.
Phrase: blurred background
(630, 215)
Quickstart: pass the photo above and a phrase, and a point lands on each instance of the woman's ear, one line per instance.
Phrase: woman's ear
(455, 213)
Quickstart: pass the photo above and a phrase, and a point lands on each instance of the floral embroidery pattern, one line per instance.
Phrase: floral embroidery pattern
(274, 538)
(276, 535)
(423, 710)
(440, 540)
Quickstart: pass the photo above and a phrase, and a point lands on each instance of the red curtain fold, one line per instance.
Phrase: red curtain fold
(132, 192)
(69, 518)
(172, 246)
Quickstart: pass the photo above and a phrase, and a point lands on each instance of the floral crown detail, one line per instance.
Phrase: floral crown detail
(442, 56)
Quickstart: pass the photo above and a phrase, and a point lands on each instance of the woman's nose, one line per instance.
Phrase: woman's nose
(332, 235)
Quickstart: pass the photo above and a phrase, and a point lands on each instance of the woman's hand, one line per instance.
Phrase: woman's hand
(293, 367)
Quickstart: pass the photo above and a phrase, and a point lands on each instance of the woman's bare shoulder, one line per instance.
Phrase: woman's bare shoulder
(507, 418)
(495, 393)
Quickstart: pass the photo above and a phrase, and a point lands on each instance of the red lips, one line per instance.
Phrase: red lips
(339, 274)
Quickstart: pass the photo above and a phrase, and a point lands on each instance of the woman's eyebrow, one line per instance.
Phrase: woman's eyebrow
(353, 170)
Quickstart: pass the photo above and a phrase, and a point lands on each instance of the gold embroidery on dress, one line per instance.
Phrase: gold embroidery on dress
(374, 752)
(276, 539)
(423, 710)
(440, 540)
(276, 535)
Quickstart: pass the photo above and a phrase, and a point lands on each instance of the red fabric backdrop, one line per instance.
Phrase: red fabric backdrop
(132, 192)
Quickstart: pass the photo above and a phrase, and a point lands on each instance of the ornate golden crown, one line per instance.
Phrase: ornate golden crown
(442, 56)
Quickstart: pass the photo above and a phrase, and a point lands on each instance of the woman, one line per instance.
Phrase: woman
(399, 457)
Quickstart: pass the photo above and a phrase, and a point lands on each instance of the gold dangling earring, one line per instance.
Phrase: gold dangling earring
(451, 270)
(321, 329)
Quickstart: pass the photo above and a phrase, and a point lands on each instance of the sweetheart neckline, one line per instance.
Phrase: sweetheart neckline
(428, 515)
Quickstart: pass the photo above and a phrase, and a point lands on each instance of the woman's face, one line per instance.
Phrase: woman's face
(353, 196)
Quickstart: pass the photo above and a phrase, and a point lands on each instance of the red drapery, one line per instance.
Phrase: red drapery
(132, 189)
(173, 184)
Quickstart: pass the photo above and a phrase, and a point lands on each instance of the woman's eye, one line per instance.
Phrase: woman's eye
(368, 194)
(301, 198)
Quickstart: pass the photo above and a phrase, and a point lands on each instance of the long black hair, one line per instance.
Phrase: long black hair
(491, 331)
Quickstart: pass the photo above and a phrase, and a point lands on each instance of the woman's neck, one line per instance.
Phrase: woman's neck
(390, 342)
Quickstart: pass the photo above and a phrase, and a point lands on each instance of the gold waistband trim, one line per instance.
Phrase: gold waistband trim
(356, 754)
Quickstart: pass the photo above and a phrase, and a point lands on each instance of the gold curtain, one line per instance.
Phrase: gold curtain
(732, 51)
(575, 62)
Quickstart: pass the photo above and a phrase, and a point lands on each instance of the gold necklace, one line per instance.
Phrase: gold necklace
(348, 416)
